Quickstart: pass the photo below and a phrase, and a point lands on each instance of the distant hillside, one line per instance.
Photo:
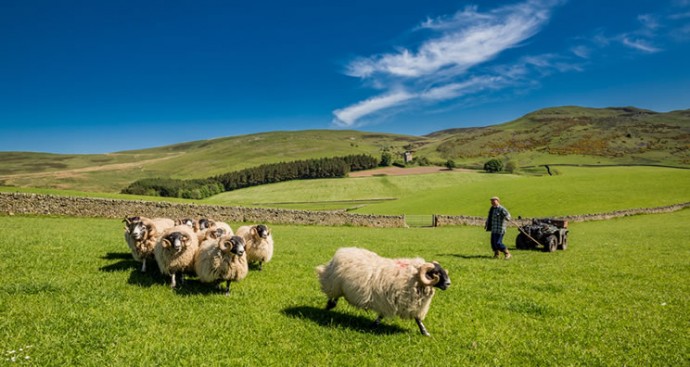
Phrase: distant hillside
(574, 135)
(554, 135)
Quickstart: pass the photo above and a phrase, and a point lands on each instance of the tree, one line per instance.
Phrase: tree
(386, 159)
(450, 164)
(511, 166)
(493, 165)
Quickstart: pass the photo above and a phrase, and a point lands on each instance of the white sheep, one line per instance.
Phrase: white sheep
(391, 287)
(225, 227)
(175, 251)
(186, 221)
(141, 234)
(259, 243)
(221, 258)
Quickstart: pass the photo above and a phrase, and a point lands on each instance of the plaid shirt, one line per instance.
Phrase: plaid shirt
(497, 221)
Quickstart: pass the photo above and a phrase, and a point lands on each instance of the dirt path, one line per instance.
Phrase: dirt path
(397, 171)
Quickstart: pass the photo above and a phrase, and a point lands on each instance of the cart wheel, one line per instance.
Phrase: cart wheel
(551, 243)
(521, 242)
(564, 245)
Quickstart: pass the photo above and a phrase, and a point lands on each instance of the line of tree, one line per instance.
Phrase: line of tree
(264, 174)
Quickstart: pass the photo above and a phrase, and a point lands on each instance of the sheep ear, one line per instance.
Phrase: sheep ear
(166, 243)
(254, 232)
(423, 270)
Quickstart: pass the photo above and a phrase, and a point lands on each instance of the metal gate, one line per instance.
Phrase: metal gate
(419, 220)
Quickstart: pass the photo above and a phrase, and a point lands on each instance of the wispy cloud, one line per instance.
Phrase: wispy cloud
(438, 68)
(462, 57)
(639, 44)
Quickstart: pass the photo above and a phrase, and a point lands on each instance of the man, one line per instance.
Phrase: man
(496, 223)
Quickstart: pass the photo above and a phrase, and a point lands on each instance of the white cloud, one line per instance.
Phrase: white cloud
(639, 44)
(438, 69)
(348, 116)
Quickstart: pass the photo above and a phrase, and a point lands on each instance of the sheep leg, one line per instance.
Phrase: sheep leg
(422, 329)
(332, 302)
(261, 265)
(143, 266)
(173, 282)
(227, 288)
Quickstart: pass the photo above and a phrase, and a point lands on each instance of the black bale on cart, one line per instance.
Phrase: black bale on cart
(551, 234)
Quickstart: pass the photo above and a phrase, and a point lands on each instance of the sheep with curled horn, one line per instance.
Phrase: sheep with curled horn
(391, 287)
(141, 234)
(259, 242)
(175, 251)
(221, 259)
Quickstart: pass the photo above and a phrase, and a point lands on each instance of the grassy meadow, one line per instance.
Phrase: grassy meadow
(72, 295)
(574, 190)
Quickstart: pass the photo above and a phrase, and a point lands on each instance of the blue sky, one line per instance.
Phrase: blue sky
(106, 76)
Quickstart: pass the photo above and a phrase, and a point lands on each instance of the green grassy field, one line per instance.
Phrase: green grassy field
(72, 295)
(575, 190)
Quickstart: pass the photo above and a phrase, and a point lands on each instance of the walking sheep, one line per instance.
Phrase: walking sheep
(259, 243)
(391, 287)
(141, 234)
(222, 259)
(175, 251)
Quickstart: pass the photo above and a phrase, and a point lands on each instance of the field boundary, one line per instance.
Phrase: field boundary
(456, 220)
(45, 204)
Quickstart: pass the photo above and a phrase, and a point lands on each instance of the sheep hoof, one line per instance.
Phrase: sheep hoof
(422, 329)
(331, 304)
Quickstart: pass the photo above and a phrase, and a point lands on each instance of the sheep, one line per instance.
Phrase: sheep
(259, 243)
(186, 221)
(141, 234)
(201, 224)
(175, 251)
(222, 258)
(390, 287)
(225, 227)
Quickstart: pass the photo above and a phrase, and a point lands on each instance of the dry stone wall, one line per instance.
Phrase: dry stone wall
(22, 203)
(457, 220)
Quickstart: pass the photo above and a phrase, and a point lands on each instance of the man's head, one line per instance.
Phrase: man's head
(495, 201)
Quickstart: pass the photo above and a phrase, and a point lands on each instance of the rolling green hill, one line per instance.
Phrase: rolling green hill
(574, 135)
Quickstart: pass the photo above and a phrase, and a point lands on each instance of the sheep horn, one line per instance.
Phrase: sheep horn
(422, 275)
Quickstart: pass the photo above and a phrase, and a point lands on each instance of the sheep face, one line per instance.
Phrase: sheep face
(262, 231)
(433, 274)
(176, 241)
(203, 224)
(232, 244)
(136, 228)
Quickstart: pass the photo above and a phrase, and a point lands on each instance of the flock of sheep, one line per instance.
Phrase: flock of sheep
(391, 287)
(203, 247)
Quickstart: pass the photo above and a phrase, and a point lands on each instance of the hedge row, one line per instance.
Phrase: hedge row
(264, 174)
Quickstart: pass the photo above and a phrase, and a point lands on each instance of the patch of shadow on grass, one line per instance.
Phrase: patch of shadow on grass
(117, 256)
(332, 318)
(192, 287)
(148, 279)
(126, 262)
(120, 266)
